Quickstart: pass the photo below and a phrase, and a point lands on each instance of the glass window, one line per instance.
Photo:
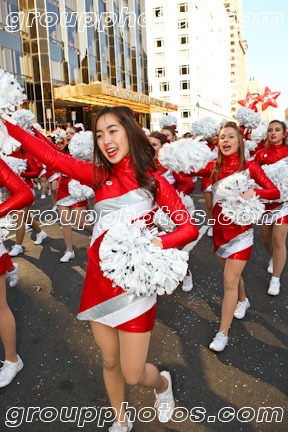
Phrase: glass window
(183, 7)
(185, 85)
(184, 56)
(165, 98)
(160, 72)
(185, 113)
(185, 100)
(183, 24)
(164, 86)
(158, 12)
(160, 57)
(159, 43)
(183, 39)
(184, 70)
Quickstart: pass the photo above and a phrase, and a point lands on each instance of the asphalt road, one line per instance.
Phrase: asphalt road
(63, 365)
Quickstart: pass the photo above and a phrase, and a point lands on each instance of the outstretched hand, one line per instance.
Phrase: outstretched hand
(248, 194)
(157, 242)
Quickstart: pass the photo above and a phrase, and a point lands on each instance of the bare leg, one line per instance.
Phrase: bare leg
(209, 204)
(65, 218)
(43, 183)
(232, 285)
(279, 236)
(266, 234)
(20, 230)
(7, 324)
(80, 220)
(54, 187)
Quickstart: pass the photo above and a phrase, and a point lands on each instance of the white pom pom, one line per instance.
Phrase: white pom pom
(79, 126)
(5, 225)
(185, 155)
(24, 118)
(17, 165)
(78, 191)
(205, 127)
(260, 133)
(131, 261)
(82, 146)
(277, 173)
(234, 206)
(146, 131)
(248, 118)
(168, 120)
(249, 146)
(222, 123)
(7, 144)
(11, 93)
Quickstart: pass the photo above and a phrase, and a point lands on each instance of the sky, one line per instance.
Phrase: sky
(267, 52)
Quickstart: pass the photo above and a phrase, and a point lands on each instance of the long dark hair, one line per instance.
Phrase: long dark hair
(158, 135)
(284, 131)
(241, 151)
(140, 151)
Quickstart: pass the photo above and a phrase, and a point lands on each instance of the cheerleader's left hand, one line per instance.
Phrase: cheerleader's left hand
(248, 194)
(157, 242)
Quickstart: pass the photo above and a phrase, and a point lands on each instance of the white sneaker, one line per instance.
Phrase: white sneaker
(270, 266)
(219, 342)
(119, 427)
(16, 250)
(67, 256)
(210, 232)
(43, 196)
(274, 287)
(12, 276)
(40, 237)
(165, 403)
(9, 370)
(241, 309)
(187, 284)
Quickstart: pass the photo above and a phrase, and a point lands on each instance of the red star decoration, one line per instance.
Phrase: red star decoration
(249, 102)
(268, 98)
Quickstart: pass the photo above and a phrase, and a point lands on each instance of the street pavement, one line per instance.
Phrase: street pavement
(63, 364)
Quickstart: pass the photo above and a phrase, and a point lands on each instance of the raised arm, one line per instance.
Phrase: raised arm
(21, 194)
(74, 168)
(170, 203)
(46, 140)
(269, 191)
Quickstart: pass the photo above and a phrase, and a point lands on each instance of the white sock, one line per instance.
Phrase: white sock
(275, 279)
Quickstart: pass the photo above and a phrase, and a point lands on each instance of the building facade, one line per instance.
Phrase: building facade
(58, 44)
(238, 53)
(188, 58)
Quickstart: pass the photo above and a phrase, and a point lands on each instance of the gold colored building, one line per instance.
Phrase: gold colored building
(74, 56)
(238, 51)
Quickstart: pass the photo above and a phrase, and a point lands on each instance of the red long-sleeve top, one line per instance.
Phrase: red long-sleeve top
(20, 193)
(32, 170)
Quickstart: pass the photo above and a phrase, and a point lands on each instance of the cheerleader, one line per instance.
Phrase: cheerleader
(181, 182)
(20, 196)
(31, 172)
(274, 228)
(126, 178)
(51, 175)
(233, 243)
(170, 133)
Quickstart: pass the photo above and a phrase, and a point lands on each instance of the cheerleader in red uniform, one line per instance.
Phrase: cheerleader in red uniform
(51, 175)
(181, 182)
(126, 182)
(170, 133)
(275, 225)
(233, 243)
(20, 195)
(31, 172)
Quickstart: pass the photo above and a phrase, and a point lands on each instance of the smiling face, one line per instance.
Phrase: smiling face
(156, 144)
(213, 139)
(228, 141)
(111, 138)
(275, 133)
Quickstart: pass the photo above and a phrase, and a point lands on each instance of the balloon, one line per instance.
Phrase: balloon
(268, 98)
(250, 102)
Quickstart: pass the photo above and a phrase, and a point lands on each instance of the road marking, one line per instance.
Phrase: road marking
(191, 246)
